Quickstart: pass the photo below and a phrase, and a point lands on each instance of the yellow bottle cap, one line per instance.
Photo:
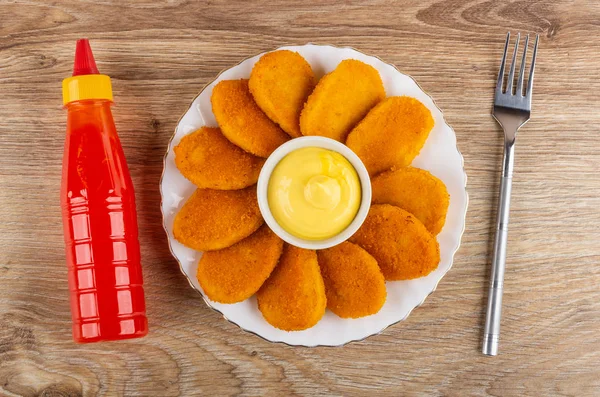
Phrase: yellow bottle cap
(87, 86)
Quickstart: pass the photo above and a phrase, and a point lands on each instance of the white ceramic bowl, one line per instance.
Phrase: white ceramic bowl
(440, 156)
(325, 143)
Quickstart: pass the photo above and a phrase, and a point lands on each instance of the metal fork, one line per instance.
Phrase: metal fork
(512, 109)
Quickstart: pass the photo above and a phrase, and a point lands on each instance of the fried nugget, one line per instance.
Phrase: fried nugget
(235, 273)
(341, 99)
(354, 284)
(392, 134)
(416, 191)
(402, 246)
(280, 82)
(216, 219)
(242, 121)
(209, 160)
(293, 297)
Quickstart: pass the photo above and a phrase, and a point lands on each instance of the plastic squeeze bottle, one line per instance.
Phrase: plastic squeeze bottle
(99, 216)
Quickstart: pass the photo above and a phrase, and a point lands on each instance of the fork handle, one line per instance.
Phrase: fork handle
(494, 306)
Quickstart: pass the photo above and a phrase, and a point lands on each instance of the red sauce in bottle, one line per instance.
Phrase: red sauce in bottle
(99, 215)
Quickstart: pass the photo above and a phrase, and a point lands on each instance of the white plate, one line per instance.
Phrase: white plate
(440, 156)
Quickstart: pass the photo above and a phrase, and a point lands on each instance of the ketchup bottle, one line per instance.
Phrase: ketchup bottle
(99, 216)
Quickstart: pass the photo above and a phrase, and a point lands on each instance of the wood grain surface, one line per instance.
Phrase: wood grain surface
(161, 53)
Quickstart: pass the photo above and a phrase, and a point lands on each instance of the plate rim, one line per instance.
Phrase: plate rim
(164, 163)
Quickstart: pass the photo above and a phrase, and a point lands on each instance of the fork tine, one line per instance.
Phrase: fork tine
(511, 75)
(530, 80)
(501, 73)
(522, 71)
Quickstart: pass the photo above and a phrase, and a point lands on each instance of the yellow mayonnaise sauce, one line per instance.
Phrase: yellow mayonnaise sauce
(314, 193)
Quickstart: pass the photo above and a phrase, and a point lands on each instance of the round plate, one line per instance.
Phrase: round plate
(440, 156)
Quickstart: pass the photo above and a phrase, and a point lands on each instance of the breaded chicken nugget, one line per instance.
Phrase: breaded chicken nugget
(416, 191)
(280, 82)
(209, 160)
(216, 219)
(235, 273)
(293, 298)
(341, 99)
(402, 246)
(242, 121)
(392, 134)
(354, 284)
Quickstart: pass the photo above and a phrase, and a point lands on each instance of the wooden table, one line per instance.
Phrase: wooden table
(160, 54)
